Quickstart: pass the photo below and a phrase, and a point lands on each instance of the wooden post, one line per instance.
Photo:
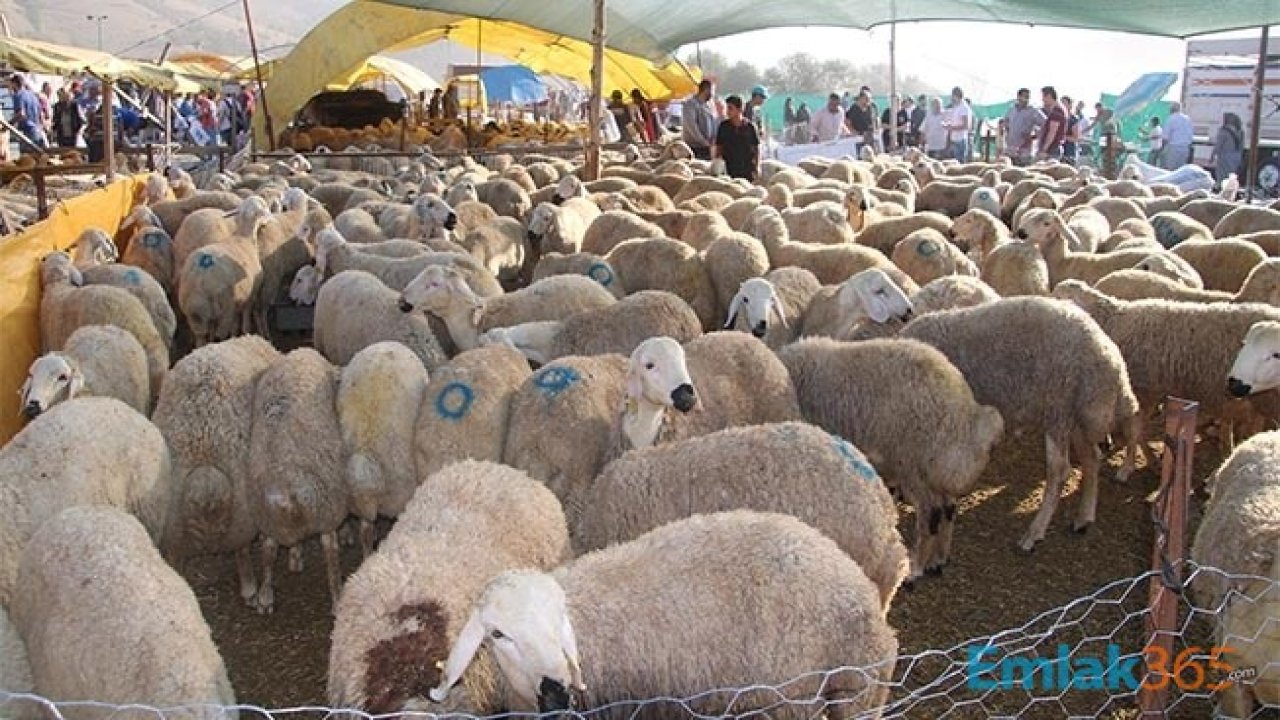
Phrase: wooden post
(893, 87)
(108, 130)
(1255, 131)
(1170, 547)
(168, 128)
(42, 198)
(257, 67)
(594, 110)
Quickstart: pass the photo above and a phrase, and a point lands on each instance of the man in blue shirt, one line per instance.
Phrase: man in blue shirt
(26, 111)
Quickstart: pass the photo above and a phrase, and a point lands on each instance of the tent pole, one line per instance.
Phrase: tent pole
(108, 130)
(168, 127)
(893, 87)
(1256, 129)
(257, 66)
(594, 111)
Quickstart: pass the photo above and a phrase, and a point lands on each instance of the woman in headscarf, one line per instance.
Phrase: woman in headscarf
(1228, 147)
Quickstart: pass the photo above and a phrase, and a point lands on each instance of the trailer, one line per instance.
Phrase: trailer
(1219, 78)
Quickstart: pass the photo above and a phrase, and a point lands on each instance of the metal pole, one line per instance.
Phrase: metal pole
(1255, 129)
(257, 66)
(893, 87)
(108, 130)
(592, 169)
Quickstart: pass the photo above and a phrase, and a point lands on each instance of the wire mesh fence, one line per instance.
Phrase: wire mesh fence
(1087, 658)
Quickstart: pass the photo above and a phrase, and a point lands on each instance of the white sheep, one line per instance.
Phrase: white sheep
(96, 361)
(1054, 237)
(379, 394)
(557, 634)
(670, 265)
(905, 406)
(64, 458)
(92, 579)
(141, 285)
(871, 294)
(1016, 268)
(335, 255)
(593, 266)
(404, 608)
(926, 255)
(297, 462)
(823, 223)
(561, 228)
(355, 310)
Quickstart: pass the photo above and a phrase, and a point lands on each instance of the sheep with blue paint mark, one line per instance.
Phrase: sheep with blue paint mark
(465, 408)
(141, 285)
(792, 468)
(583, 263)
(911, 411)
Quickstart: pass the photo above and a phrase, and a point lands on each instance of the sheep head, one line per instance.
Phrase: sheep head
(570, 186)
(658, 375)
(57, 268)
(294, 200)
(156, 190)
(1257, 365)
(524, 615)
(141, 216)
(462, 192)
(94, 247)
(328, 241)
(873, 294)
(442, 291)
(306, 285)
(1040, 225)
(51, 379)
(758, 299)
(434, 214)
(1081, 294)
(856, 204)
(252, 212)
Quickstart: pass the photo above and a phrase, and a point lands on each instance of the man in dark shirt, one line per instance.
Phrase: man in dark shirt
(918, 114)
(861, 119)
(1055, 125)
(737, 142)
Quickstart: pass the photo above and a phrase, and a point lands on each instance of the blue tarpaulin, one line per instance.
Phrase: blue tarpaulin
(512, 83)
(1142, 92)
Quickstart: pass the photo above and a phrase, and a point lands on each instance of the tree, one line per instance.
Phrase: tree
(730, 77)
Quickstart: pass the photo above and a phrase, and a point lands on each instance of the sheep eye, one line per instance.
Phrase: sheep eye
(648, 366)
(1275, 356)
(62, 378)
(746, 301)
(497, 635)
(880, 292)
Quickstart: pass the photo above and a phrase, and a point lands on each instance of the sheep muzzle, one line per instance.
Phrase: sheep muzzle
(683, 398)
(405, 306)
(32, 410)
(451, 222)
(1238, 388)
(553, 696)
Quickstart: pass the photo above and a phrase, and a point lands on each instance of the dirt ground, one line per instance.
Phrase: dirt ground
(280, 661)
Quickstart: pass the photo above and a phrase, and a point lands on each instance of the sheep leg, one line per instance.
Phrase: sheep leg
(1134, 435)
(1089, 464)
(944, 537)
(367, 532)
(1059, 466)
(926, 531)
(295, 559)
(332, 565)
(346, 538)
(265, 601)
(244, 570)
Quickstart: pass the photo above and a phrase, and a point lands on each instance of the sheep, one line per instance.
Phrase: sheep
(831, 264)
(337, 197)
(949, 197)
(402, 610)
(925, 255)
(217, 285)
(617, 328)
(211, 227)
(1054, 237)
(1134, 284)
(66, 306)
(92, 580)
(884, 235)
(1247, 219)
(1012, 349)
(1042, 199)
(705, 228)
(96, 361)
(593, 266)
(1090, 226)
(174, 213)
(784, 292)
(869, 294)
(93, 247)
(663, 264)
(1208, 211)
(730, 261)
(505, 197)
(151, 250)
(355, 310)
(335, 255)
(879, 394)
(978, 232)
(443, 292)
(465, 408)
(561, 228)
(1173, 267)
(87, 451)
(15, 668)
(986, 199)
(560, 632)
(823, 223)
(358, 226)
(1173, 228)
(614, 226)
(951, 292)
(500, 247)
(731, 378)
(296, 464)
(379, 393)
(1240, 536)
(1117, 209)
(1222, 264)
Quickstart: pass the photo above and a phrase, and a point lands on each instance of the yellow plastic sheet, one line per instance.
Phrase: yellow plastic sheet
(44, 57)
(342, 42)
(20, 282)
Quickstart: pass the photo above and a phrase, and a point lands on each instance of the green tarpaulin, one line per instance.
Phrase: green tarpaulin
(655, 28)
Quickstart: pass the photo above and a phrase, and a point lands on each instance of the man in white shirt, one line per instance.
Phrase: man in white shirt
(959, 123)
(827, 124)
(1177, 138)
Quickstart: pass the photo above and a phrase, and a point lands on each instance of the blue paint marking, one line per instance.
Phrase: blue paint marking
(133, 277)
(454, 401)
(554, 380)
(205, 262)
(854, 459)
(153, 240)
(601, 273)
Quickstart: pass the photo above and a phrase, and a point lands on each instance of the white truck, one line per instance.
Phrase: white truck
(1219, 78)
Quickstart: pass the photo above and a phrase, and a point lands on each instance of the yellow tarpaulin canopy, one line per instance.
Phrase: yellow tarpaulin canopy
(409, 78)
(342, 42)
(50, 59)
(20, 281)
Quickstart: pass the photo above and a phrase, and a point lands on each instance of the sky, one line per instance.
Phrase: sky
(990, 61)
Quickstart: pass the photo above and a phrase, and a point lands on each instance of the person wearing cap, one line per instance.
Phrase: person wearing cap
(737, 142)
(754, 109)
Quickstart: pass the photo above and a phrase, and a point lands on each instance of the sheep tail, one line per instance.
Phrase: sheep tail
(364, 479)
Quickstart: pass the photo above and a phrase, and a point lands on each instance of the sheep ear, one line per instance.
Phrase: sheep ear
(877, 309)
(74, 274)
(635, 383)
(464, 649)
(77, 383)
(26, 388)
(569, 646)
(779, 308)
(733, 310)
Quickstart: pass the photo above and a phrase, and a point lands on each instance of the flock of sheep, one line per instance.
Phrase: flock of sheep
(642, 435)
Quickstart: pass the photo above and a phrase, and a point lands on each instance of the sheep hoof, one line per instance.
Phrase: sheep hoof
(908, 585)
(1026, 547)
(933, 571)
(1081, 528)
